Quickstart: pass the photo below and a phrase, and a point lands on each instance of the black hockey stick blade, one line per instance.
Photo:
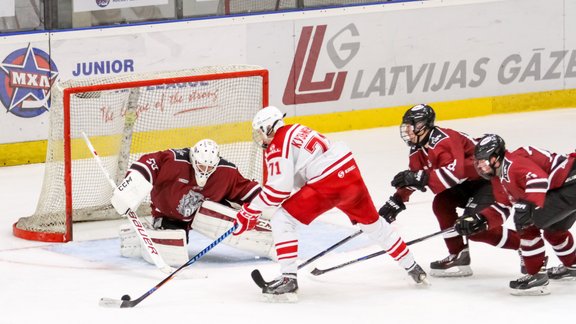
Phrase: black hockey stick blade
(258, 279)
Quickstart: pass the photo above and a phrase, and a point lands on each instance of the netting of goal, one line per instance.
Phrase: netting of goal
(130, 115)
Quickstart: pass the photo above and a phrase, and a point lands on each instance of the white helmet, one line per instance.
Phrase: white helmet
(266, 121)
(204, 157)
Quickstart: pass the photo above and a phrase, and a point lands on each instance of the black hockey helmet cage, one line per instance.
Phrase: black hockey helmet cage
(416, 123)
(488, 155)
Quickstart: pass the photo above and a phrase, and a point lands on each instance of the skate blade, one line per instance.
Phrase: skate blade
(283, 298)
(422, 284)
(570, 278)
(461, 271)
(535, 291)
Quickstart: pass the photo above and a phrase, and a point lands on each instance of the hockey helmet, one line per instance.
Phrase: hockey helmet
(265, 123)
(416, 124)
(204, 156)
(488, 155)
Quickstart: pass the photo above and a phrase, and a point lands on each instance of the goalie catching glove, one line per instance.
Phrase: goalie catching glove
(130, 193)
(408, 178)
(471, 224)
(246, 219)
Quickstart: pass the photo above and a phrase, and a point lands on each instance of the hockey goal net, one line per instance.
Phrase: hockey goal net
(130, 115)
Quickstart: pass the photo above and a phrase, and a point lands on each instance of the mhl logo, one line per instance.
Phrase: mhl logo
(25, 79)
(300, 87)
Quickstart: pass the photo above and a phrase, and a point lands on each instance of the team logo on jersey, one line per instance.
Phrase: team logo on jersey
(300, 87)
(181, 154)
(25, 79)
(436, 137)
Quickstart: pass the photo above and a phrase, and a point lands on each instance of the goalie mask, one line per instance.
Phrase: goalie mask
(416, 125)
(204, 157)
(488, 156)
(265, 123)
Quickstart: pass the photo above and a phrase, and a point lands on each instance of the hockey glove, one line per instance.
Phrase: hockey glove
(246, 219)
(523, 215)
(407, 178)
(471, 224)
(392, 208)
(130, 193)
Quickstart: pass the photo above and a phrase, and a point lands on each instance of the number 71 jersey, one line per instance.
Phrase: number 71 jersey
(298, 155)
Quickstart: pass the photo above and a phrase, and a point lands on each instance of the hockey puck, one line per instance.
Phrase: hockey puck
(126, 297)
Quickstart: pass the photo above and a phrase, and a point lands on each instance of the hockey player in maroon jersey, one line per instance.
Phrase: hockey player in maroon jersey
(442, 160)
(179, 181)
(542, 187)
(308, 175)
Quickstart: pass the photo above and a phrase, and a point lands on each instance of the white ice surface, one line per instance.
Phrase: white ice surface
(62, 283)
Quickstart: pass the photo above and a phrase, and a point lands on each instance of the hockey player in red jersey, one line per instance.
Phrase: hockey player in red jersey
(179, 181)
(542, 187)
(442, 159)
(308, 175)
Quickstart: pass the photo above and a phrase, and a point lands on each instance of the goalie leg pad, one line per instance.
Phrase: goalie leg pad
(130, 246)
(212, 219)
(171, 245)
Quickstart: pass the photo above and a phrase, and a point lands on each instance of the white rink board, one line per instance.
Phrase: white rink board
(367, 56)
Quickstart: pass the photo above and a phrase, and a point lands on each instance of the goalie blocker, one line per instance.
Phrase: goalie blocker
(210, 220)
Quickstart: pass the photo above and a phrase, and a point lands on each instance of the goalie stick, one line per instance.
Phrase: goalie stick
(139, 228)
(317, 272)
(126, 302)
(260, 282)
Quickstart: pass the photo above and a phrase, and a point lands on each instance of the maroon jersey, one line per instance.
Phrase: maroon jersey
(172, 177)
(448, 159)
(528, 173)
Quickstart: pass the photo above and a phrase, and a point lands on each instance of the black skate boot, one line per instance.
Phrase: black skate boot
(454, 265)
(283, 289)
(417, 274)
(531, 285)
(562, 272)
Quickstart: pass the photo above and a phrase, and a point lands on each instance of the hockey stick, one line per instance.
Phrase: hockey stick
(318, 272)
(126, 302)
(139, 228)
(259, 280)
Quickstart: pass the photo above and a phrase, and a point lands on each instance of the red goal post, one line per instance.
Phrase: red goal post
(129, 115)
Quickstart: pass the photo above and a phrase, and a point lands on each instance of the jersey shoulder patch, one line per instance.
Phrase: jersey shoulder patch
(506, 164)
(437, 135)
(226, 163)
(182, 154)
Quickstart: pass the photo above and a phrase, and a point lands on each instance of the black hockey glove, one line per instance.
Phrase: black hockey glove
(407, 178)
(523, 215)
(471, 224)
(392, 208)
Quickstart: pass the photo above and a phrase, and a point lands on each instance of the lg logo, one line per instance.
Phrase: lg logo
(300, 87)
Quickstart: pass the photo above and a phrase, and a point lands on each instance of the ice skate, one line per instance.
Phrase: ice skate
(562, 272)
(530, 285)
(418, 275)
(454, 265)
(284, 289)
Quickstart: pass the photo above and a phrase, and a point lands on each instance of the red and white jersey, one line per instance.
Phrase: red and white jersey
(172, 177)
(448, 159)
(297, 155)
(528, 173)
